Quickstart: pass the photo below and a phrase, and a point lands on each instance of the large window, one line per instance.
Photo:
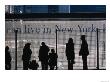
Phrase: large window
(87, 8)
(53, 9)
(18, 9)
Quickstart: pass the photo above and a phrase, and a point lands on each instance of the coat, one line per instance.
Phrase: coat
(84, 49)
(53, 59)
(70, 51)
(43, 53)
(26, 54)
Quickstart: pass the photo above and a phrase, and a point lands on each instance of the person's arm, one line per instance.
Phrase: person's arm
(66, 50)
(80, 52)
(56, 55)
(48, 49)
(39, 55)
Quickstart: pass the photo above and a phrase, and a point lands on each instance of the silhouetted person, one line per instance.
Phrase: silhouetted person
(26, 56)
(7, 58)
(33, 65)
(84, 52)
(43, 56)
(53, 59)
(70, 53)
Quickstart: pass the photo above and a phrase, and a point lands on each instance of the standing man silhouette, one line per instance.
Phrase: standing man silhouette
(84, 52)
(26, 56)
(43, 56)
(70, 53)
(7, 58)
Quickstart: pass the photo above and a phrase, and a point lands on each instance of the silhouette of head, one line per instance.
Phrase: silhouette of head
(70, 40)
(27, 44)
(33, 61)
(52, 50)
(43, 43)
(6, 48)
(82, 37)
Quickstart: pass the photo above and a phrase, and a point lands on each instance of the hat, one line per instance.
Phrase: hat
(82, 36)
(28, 43)
(7, 48)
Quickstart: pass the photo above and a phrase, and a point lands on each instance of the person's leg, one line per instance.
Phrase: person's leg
(86, 67)
(42, 64)
(9, 66)
(56, 66)
(6, 67)
(69, 65)
(83, 58)
(51, 67)
(25, 66)
(46, 65)
(84, 62)
(28, 64)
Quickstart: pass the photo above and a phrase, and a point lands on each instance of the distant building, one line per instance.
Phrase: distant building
(17, 9)
(9, 9)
